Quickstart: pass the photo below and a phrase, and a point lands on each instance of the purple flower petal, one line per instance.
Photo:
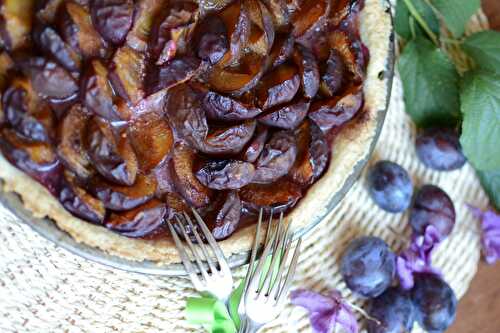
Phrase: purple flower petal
(417, 258)
(490, 234)
(325, 311)
(311, 301)
(322, 322)
(347, 320)
(405, 273)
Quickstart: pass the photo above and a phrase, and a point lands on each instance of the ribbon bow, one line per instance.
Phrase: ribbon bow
(213, 315)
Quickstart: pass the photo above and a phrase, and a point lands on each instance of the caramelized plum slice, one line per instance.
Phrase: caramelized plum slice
(211, 40)
(340, 11)
(279, 13)
(213, 5)
(78, 31)
(262, 32)
(338, 110)
(238, 79)
(50, 80)
(340, 41)
(151, 138)
(36, 159)
(220, 107)
(16, 23)
(139, 222)
(308, 69)
(111, 153)
(237, 22)
(97, 92)
(171, 31)
(145, 12)
(186, 183)
(112, 19)
(312, 154)
(226, 174)
(281, 51)
(171, 73)
(71, 149)
(228, 217)
(127, 76)
(6, 65)
(278, 87)
(228, 140)
(287, 116)
(332, 75)
(121, 198)
(79, 202)
(255, 147)
(26, 114)
(186, 114)
(276, 158)
(53, 45)
(47, 10)
(279, 196)
(309, 16)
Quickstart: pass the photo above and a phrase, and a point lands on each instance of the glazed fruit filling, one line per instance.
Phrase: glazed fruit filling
(130, 112)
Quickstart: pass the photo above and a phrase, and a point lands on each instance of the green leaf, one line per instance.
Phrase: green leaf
(480, 138)
(403, 18)
(430, 83)
(491, 184)
(456, 13)
(484, 48)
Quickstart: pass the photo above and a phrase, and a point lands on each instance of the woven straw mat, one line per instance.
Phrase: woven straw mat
(44, 288)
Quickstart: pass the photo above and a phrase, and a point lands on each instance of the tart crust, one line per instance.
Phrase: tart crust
(351, 146)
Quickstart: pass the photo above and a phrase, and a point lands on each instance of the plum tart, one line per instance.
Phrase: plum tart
(115, 115)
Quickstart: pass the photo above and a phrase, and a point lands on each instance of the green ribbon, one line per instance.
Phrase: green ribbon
(213, 315)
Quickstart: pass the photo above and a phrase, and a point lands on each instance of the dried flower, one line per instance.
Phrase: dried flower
(325, 312)
(490, 234)
(417, 258)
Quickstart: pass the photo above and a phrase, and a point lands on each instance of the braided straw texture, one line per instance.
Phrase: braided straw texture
(46, 289)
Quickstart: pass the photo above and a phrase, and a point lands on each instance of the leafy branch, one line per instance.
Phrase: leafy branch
(436, 95)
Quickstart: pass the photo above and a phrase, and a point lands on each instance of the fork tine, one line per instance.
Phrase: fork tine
(254, 251)
(279, 277)
(211, 240)
(202, 245)
(290, 274)
(269, 224)
(279, 250)
(184, 257)
(268, 279)
(193, 250)
(255, 282)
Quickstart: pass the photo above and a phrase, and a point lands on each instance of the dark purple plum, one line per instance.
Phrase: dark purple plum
(368, 266)
(432, 206)
(390, 186)
(439, 149)
(435, 302)
(394, 311)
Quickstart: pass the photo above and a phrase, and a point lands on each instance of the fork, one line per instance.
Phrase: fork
(241, 306)
(209, 276)
(266, 290)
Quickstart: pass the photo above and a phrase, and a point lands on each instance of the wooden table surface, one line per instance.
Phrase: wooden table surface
(479, 310)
